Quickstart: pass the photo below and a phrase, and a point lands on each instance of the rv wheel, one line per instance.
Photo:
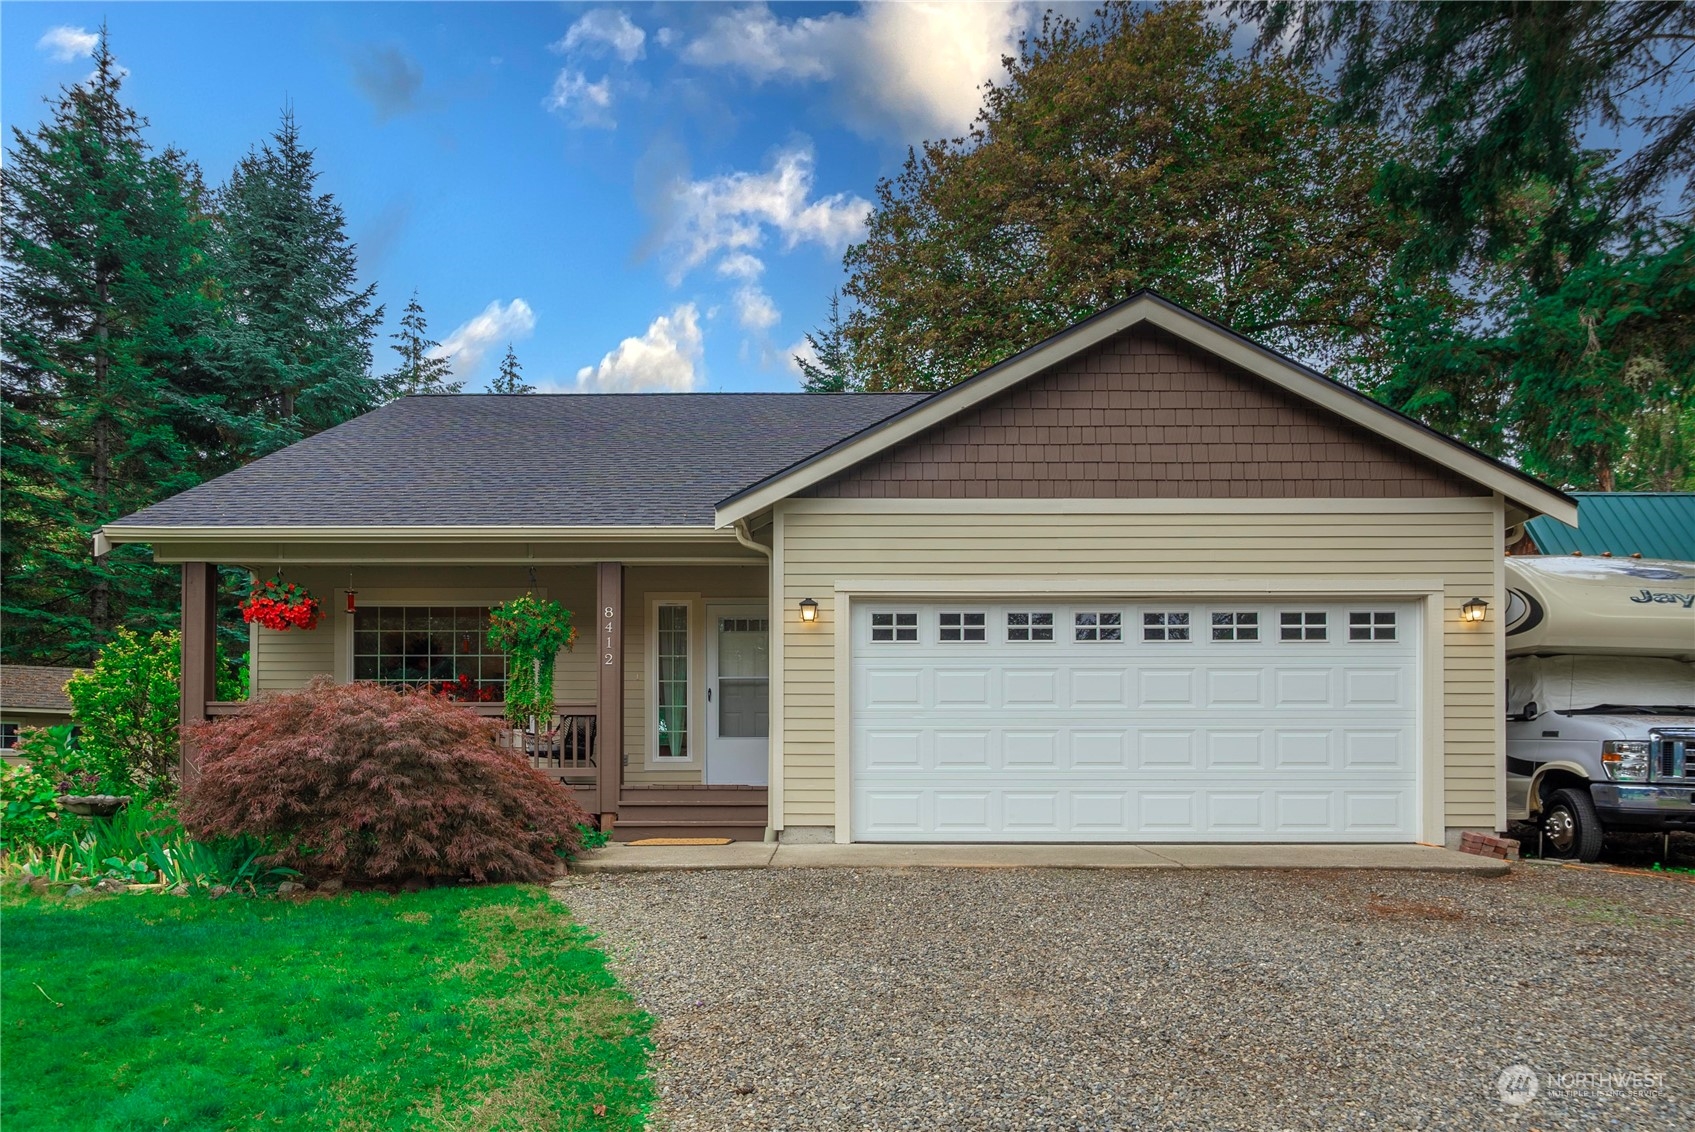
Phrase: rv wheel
(1570, 827)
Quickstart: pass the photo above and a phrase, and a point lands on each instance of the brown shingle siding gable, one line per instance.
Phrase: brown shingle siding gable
(1145, 416)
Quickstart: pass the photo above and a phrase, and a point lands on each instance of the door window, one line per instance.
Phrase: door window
(672, 654)
(744, 710)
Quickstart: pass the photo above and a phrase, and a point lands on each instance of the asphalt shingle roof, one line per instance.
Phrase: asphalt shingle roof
(646, 459)
(34, 687)
(1654, 524)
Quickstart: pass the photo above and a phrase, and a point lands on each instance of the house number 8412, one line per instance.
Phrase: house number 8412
(606, 657)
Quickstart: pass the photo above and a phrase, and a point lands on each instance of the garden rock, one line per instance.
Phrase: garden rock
(109, 885)
(219, 890)
(334, 884)
(289, 888)
(180, 890)
(76, 890)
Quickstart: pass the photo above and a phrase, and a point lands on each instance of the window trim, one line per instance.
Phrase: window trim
(341, 622)
(1165, 627)
(1372, 625)
(962, 614)
(1234, 626)
(694, 667)
(895, 627)
(1052, 626)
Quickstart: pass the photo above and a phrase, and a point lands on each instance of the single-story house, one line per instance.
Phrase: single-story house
(1144, 581)
(32, 695)
(1617, 524)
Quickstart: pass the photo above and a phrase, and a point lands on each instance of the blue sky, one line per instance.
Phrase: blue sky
(637, 197)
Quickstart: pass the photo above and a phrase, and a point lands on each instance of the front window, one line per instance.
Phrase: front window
(437, 647)
(673, 683)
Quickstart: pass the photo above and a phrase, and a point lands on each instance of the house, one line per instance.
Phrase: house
(31, 695)
(1144, 581)
(1617, 524)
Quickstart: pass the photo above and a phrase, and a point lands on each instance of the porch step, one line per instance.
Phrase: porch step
(627, 830)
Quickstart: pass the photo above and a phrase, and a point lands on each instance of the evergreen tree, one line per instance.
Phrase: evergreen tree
(830, 368)
(511, 377)
(294, 351)
(420, 371)
(106, 292)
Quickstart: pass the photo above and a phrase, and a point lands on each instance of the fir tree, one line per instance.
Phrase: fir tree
(420, 370)
(106, 292)
(295, 349)
(511, 378)
(830, 368)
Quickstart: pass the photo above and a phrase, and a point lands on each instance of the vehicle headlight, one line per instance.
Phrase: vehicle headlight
(1625, 760)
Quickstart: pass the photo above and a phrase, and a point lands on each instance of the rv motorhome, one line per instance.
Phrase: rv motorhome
(1600, 698)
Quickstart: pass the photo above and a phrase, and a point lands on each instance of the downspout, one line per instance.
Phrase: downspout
(744, 535)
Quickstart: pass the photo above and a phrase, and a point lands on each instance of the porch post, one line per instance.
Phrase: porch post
(609, 688)
(199, 652)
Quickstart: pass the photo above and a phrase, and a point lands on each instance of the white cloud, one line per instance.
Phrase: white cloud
(605, 29)
(493, 328)
(801, 349)
(740, 265)
(66, 43)
(666, 359)
(911, 69)
(755, 310)
(590, 104)
(730, 213)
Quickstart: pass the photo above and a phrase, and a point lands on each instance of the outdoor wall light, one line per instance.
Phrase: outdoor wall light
(1474, 609)
(808, 610)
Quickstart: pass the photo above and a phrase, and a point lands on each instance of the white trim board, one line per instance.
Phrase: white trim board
(1191, 328)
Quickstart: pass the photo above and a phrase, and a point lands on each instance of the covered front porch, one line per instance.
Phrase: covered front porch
(662, 706)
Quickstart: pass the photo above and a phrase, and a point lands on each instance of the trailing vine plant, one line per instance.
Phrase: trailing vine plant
(531, 631)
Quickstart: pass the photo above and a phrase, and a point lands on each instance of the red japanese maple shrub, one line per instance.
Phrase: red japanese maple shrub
(373, 785)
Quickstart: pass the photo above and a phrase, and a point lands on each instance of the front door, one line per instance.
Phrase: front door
(738, 700)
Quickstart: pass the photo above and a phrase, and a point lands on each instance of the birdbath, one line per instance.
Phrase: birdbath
(94, 805)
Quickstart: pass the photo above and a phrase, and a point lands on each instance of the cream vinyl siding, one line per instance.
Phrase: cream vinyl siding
(1331, 542)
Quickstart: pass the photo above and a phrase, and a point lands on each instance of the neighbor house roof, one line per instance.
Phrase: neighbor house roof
(1147, 308)
(1654, 524)
(32, 687)
(533, 460)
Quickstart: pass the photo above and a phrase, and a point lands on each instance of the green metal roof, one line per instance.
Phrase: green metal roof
(1654, 524)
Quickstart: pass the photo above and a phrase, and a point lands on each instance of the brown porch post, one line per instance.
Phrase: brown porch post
(609, 688)
(199, 652)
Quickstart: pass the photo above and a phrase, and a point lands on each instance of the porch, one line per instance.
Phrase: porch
(661, 708)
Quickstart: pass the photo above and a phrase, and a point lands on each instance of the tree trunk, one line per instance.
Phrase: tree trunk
(1604, 473)
(100, 600)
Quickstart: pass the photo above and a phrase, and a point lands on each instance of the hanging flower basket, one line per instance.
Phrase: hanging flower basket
(277, 604)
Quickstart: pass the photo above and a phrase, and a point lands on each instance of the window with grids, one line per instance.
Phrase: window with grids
(416, 645)
(963, 626)
(1304, 625)
(1371, 625)
(1165, 626)
(1099, 626)
(1238, 626)
(671, 655)
(1029, 626)
(894, 626)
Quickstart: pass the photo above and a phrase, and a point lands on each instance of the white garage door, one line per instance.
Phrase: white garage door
(1098, 720)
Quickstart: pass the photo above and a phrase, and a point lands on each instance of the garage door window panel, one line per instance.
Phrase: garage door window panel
(1240, 625)
(1165, 626)
(1371, 625)
(1099, 626)
(961, 628)
(1304, 625)
(894, 627)
(1029, 626)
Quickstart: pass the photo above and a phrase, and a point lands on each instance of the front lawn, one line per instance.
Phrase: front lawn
(451, 1008)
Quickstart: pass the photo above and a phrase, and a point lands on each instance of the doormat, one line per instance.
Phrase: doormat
(682, 841)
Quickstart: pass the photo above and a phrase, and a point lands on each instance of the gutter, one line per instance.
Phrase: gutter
(744, 535)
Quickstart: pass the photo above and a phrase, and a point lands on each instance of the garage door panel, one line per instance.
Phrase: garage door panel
(1134, 739)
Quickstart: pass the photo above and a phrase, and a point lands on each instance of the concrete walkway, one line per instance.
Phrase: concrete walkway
(619, 858)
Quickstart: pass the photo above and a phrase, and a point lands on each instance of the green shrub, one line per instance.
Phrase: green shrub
(127, 708)
(31, 808)
(143, 845)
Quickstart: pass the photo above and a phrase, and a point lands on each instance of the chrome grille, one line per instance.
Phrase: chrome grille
(1669, 751)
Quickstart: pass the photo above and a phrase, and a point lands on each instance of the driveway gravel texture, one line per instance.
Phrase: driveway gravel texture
(1208, 1000)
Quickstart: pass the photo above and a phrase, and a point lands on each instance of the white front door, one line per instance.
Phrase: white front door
(1175, 719)
(738, 699)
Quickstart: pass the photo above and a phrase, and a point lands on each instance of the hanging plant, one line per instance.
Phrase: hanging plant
(531, 631)
(277, 604)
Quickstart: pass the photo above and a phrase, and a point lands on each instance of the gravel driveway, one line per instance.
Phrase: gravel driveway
(882, 999)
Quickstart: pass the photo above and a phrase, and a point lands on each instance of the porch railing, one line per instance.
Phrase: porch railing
(566, 750)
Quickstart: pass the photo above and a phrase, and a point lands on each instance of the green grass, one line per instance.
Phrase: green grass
(453, 1008)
